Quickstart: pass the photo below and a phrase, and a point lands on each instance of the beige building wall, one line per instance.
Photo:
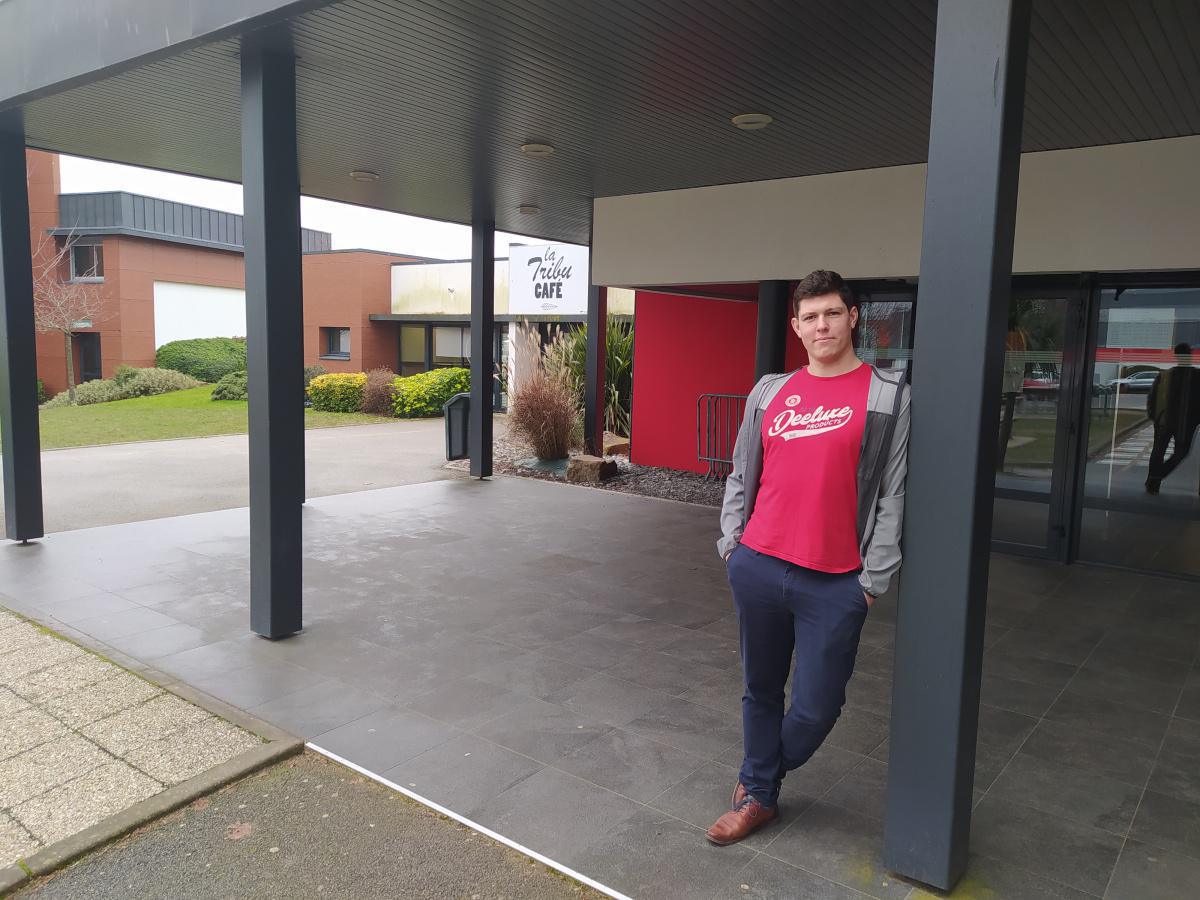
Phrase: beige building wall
(1126, 207)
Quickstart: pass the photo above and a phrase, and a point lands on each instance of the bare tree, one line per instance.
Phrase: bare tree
(61, 303)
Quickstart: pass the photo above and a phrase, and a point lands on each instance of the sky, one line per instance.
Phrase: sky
(351, 226)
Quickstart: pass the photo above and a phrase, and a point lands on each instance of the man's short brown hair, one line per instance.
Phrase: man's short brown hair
(820, 283)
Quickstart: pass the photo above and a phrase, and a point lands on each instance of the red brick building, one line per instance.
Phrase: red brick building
(166, 270)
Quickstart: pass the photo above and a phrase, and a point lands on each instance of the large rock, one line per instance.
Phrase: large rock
(590, 468)
(615, 445)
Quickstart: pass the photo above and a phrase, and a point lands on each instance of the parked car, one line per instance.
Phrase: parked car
(1137, 383)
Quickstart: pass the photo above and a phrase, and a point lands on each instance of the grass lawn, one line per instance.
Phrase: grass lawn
(1040, 450)
(180, 414)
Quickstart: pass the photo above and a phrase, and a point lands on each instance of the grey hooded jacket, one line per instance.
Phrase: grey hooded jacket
(882, 466)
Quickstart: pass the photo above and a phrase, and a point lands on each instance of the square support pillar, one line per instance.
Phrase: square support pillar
(275, 356)
(966, 267)
(770, 345)
(19, 424)
(595, 390)
(483, 331)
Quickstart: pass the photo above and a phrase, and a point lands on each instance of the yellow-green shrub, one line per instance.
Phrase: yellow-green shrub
(337, 391)
(425, 394)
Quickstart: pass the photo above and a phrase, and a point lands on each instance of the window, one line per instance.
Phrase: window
(412, 349)
(87, 262)
(451, 346)
(335, 343)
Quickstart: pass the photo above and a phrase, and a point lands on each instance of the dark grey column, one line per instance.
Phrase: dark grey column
(966, 265)
(21, 460)
(771, 341)
(483, 329)
(595, 375)
(271, 190)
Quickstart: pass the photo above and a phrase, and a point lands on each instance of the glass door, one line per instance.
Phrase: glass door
(1037, 421)
(1141, 473)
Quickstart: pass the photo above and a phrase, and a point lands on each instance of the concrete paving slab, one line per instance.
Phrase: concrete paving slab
(191, 750)
(84, 801)
(62, 678)
(36, 771)
(135, 727)
(15, 841)
(112, 694)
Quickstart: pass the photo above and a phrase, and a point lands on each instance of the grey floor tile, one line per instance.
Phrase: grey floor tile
(608, 699)
(1071, 647)
(1056, 848)
(858, 730)
(681, 866)
(644, 634)
(1018, 696)
(723, 693)
(1138, 665)
(1097, 681)
(556, 814)
(1189, 703)
(315, 710)
(629, 764)
(1176, 774)
(877, 661)
(1170, 822)
(717, 650)
(121, 624)
(385, 738)
(1021, 666)
(765, 878)
(590, 651)
(544, 731)
(467, 702)
(98, 604)
(1092, 751)
(464, 773)
(1071, 793)
(998, 880)
(164, 641)
(1146, 872)
(695, 729)
(1114, 720)
(1003, 729)
(252, 685)
(863, 790)
(669, 674)
(1180, 646)
(841, 846)
(870, 694)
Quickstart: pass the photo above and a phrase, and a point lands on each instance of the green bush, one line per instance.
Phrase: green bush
(338, 391)
(208, 359)
(129, 382)
(422, 395)
(231, 387)
(311, 372)
(42, 395)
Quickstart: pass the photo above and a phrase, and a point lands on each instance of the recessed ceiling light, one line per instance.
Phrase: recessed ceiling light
(752, 121)
(529, 209)
(538, 151)
(364, 175)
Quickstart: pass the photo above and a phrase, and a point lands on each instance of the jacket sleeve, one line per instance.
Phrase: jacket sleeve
(882, 557)
(733, 509)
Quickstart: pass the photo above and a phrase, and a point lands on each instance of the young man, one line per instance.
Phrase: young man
(811, 534)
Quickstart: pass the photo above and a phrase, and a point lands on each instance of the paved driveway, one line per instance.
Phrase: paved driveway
(90, 486)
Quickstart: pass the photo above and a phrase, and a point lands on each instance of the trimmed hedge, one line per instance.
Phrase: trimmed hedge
(231, 387)
(42, 395)
(418, 396)
(337, 391)
(208, 359)
(129, 382)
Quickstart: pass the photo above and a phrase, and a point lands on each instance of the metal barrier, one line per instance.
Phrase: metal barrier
(718, 417)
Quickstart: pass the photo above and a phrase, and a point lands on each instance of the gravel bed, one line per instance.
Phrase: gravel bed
(647, 481)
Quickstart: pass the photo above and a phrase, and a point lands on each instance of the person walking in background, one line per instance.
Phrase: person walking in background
(811, 535)
(1173, 405)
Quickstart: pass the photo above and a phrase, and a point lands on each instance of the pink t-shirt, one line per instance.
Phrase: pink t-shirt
(807, 502)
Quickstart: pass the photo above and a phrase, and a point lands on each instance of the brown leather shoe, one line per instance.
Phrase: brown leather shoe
(739, 794)
(740, 823)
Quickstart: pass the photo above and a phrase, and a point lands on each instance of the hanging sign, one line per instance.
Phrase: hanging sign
(550, 280)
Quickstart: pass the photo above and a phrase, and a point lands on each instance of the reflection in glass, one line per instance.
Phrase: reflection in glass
(1142, 481)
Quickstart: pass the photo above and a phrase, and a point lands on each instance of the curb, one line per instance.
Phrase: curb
(55, 856)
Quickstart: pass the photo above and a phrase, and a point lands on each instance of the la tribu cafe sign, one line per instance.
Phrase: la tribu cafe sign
(548, 280)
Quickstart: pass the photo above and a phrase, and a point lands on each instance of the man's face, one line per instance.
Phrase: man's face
(824, 326)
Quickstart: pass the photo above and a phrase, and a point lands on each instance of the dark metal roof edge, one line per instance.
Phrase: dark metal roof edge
(121, 231)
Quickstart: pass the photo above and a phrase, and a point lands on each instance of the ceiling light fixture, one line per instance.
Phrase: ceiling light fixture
(364, 175)
(537, 151)
(529, 209)
(752, 121)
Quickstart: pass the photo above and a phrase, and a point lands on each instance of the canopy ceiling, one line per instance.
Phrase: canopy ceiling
(437, 96)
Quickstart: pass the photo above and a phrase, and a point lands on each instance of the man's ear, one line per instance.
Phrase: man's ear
(854, 317)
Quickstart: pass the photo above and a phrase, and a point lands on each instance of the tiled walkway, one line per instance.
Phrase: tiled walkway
(560, 665)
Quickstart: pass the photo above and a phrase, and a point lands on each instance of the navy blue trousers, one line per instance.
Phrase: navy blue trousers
(786, 611)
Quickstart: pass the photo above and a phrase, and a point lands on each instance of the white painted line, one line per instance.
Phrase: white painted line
(474, 826)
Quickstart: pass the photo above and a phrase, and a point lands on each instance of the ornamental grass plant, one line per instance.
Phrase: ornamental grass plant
(379, 393)
(545, 415)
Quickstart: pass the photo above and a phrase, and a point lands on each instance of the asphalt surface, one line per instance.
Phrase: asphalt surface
(305, 828)
(85, 487)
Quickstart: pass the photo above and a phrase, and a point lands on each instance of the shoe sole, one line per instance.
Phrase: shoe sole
(717, 843)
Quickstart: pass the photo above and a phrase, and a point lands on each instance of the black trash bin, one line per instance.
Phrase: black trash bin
(458, 414)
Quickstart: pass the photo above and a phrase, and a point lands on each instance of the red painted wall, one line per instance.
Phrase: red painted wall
(685, 347)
